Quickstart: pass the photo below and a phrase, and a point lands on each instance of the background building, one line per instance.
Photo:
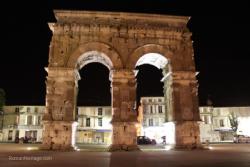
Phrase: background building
(94, 125)
(216, 126)
(215, 123)
(94, 122)
(22, 122)
(154, 117)
(207, 132)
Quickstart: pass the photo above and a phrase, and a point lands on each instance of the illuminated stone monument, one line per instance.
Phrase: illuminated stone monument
(119, 40)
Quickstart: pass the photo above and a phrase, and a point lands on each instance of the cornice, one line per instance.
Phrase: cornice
(120, 19)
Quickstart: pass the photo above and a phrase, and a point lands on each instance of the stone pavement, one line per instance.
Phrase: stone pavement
(221, 155)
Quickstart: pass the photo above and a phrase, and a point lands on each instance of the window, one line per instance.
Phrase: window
(159, 100)
(221, 123)
(99, 121)
(17, 134)
(28, 109)
(36, 110)
(151, 123)
(17, 109)
(10, 135)
(88, 122)
(206, 119)
(99, 111)
(29, 120)
(151, 109)
(150, 100)
(38, 120)
(160, 109)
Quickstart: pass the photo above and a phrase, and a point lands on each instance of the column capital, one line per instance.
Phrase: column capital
(122, 75)
(62, 72)
(184, 77)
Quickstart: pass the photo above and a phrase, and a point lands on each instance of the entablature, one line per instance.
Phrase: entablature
(112, 22)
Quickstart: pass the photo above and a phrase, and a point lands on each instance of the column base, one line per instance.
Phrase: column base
(187, 135)
(57, 147)
(59, 135)
(189, 147)
(122, 147)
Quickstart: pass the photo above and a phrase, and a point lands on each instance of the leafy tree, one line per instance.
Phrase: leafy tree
(2, 99)
(233, 122)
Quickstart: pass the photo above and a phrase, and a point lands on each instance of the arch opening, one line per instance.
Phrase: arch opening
(94, 86)
(154, 97)
(148, 81)
(94, 98)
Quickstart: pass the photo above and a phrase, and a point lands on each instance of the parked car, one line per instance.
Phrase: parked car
(145, 140)
(242, 139)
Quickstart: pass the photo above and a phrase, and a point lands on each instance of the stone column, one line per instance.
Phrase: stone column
(186, 112)
(59, 124)
(124, 116)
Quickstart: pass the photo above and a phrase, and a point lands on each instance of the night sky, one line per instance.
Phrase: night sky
(221, 35)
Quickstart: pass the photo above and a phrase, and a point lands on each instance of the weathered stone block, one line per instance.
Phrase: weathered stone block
(57, 135)
(187, 135)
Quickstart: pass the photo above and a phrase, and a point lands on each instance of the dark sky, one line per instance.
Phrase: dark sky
(220, 34)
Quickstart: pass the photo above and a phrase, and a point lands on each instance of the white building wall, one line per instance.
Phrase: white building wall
(21, 121)
(223, 113)
(208, 131)
(156, 130)
(91, 134)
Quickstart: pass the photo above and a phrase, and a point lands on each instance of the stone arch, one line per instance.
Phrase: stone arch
(93, 57)
(159, 57)
(79, 30)
(154, 59)
(148, 48)
(98, 47)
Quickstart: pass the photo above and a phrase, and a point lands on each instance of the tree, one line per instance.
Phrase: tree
(233, 122)
(2, 99)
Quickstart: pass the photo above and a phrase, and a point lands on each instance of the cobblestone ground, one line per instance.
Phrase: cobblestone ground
(220, 155)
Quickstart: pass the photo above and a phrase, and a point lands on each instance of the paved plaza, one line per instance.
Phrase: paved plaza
(25, 155)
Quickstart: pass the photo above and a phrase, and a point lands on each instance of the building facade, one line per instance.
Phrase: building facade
(94, 125)
(154, 117)
(216, 126)
(22, 122)
(26, 122)
(215, 123)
